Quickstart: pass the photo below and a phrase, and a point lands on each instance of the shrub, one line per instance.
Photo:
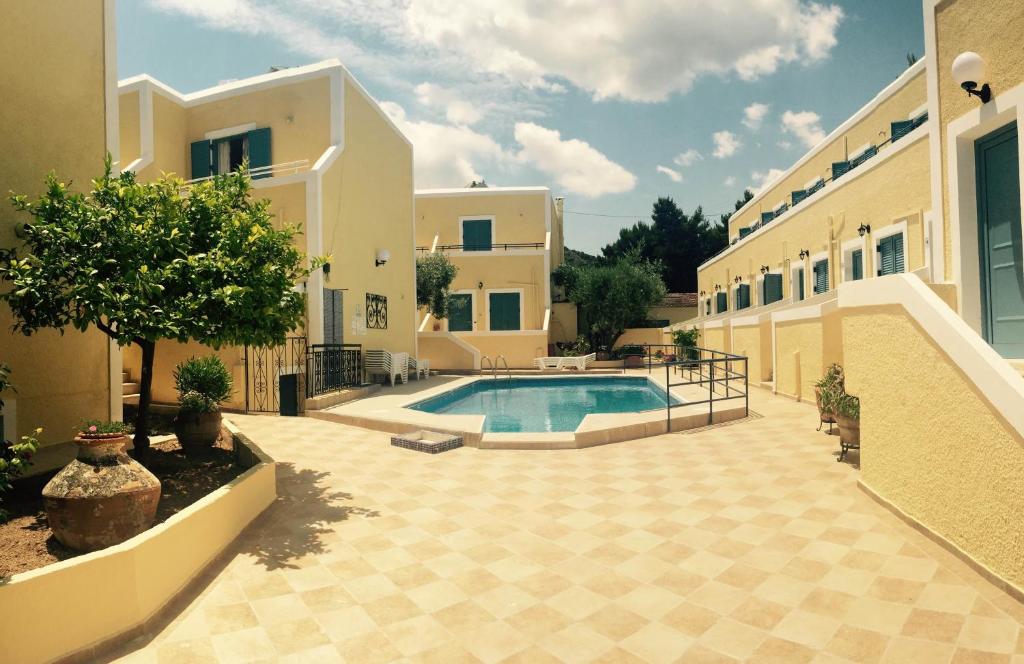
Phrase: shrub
(628, 349)
(685, 338)
(577, 348)
(848, 405)
(14, 457)
(831, 388)
(203, 383)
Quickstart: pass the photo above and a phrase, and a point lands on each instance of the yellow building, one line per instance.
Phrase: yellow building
(505, 241)
(327, 157)
(60, 79)
(894, 249)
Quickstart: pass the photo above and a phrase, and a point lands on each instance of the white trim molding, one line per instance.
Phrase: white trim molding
(229, 131)
(846, 255)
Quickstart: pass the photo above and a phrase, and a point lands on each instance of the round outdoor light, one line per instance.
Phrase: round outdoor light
(863, 228)
(804, 253)
(383, 256)
(968, 72)
(764, 269)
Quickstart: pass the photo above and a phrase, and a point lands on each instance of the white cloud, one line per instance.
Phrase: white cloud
(726, 144)
(610, 48)
(805, 126)
(673, 175)
(457, 110)
(753, 115)
(574, 164)
(446, 155)
(687, 158)
(785, 145)
(730, 181)
(764, 179)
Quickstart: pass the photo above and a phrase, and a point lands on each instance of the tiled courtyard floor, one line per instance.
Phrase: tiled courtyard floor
(746, 542)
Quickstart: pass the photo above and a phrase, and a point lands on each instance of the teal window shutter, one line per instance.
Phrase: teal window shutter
(798, 195)
(259, 150)
(800, 283)
(200, 159)
(722, 303)
(857, 258)
(900, 128)
(744, 232)
(839, 169)
(460, 313)
(772, 288)
(504, 311)
(890, 250)
(821, 277)
(333, 326)
(743, 296)
(476, 235)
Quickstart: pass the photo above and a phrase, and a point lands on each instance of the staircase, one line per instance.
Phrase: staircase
(129, 389)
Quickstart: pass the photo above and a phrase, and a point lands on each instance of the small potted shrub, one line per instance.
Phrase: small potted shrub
(848, 417)
(104, 496)
(685, 340)
(203, 384)
(633, 356)
(826, 394)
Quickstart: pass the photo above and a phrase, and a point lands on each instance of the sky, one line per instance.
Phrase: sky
(610, 103)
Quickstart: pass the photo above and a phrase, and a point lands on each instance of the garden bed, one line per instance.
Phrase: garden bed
(27, 543)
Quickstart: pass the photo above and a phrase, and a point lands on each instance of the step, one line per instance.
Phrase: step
(130, 399)
(126, 376)
(130, 388)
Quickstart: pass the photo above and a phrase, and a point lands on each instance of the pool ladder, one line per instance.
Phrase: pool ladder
(494, 366)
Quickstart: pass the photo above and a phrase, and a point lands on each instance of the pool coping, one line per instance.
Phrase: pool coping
(595, 429)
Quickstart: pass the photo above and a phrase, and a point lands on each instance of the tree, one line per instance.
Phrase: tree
(434, 276)
(149, 261)
(615, 296)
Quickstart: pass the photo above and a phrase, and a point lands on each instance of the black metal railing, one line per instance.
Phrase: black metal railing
(724, 374)
(505, 246)
(332, 367)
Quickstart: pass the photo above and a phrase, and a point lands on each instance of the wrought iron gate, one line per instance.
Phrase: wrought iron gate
(264, 365)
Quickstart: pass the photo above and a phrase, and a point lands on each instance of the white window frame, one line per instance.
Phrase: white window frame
(900, 227)
(472, 305)
(794, 284)
(522, 305)
(757, 299)
(229, 131)
(846, 257)
(479, 217)
(817, 258)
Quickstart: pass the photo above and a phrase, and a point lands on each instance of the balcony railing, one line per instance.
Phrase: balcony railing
(274, 170)
(331, 367)
(506, 246)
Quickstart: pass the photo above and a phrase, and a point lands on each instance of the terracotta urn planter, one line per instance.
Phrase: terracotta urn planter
(197, 431)
(849, 434)
(101, 498)
(634, 361)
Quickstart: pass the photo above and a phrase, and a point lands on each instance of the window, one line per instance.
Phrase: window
(226, 154)
(890, 254)
(742, 296)
(798, 284)
(771, 288)
(821, 276)
(476, 235)
(857, 264)
(334, 325)
(460, 312)
(707, 307)
(721, 303)
(503, 311)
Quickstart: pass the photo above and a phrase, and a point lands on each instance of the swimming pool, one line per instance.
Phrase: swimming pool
(545, 404)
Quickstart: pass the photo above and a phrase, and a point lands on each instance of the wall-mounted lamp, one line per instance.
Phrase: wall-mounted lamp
(717, 288)
(764, 269)
(480, 285)
(738, 279)
(804, 254)
(702, 293)
(383, 256)
(863, 228)
(327, 269)
(968, 71)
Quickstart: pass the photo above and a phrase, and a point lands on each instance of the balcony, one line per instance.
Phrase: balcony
(510, 247)
(274, 170)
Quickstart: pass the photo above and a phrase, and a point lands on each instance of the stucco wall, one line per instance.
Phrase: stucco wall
(503, 271)
(444, 353)
(798, 357)
(563, 322)
(519, 350)
(53, 118)
(931, 443)
(746, 341)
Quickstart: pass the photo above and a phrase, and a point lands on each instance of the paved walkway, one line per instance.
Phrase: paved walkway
(742, 542)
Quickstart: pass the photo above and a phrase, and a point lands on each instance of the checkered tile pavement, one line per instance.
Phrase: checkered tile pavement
(744, 542)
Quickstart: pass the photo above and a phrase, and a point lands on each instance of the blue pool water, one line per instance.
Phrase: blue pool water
(545, 404)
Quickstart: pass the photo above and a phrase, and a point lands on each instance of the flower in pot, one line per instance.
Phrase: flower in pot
(826, 393)
(102, 497)
(848, 418)
(203, 383)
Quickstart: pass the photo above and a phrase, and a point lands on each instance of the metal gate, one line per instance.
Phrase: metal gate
(263, 367)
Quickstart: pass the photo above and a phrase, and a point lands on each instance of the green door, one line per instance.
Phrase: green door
(999, 241)
(800, 284)
(460, 313)
(857, 258)
(476, 235)
(721, 302)
(821, 277)
(504, 311)
(772, 288)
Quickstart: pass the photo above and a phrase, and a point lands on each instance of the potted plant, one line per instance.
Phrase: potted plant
(826, 393)
(102, 497)
(203, 383)
(684, 340)
(632, 355)
(848, 416)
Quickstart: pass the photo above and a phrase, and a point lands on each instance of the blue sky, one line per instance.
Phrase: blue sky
(609, 104)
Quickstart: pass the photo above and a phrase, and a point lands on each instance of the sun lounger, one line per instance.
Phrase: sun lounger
(543, 363)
